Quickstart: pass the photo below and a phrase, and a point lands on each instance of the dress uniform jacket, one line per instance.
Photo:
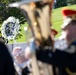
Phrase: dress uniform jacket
(6, 62)
(65, 60)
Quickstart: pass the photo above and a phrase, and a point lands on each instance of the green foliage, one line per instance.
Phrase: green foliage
(17, 13)
(60, 3)
(71, 2)
(6, 11)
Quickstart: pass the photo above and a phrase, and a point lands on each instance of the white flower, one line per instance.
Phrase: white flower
(10, 28)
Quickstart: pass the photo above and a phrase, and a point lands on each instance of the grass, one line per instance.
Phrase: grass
(57, 18)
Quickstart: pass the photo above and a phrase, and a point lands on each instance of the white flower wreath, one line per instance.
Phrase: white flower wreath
(10, 28)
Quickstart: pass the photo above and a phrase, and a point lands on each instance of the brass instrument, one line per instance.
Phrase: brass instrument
(38, 14)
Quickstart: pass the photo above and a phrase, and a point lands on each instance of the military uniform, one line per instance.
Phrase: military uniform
(66, 62)
(65, 59)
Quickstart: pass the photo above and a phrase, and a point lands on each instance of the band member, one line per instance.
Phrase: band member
(65, 59)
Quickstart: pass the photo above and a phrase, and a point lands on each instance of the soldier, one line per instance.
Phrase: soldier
(65, 59)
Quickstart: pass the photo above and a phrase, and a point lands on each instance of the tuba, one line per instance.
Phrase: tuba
(38, 15)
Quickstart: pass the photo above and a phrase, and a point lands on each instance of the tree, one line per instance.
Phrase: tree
(60, 3)
(70, 2)
(6, 11)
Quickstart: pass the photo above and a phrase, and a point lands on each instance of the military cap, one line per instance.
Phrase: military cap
(68, 16)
